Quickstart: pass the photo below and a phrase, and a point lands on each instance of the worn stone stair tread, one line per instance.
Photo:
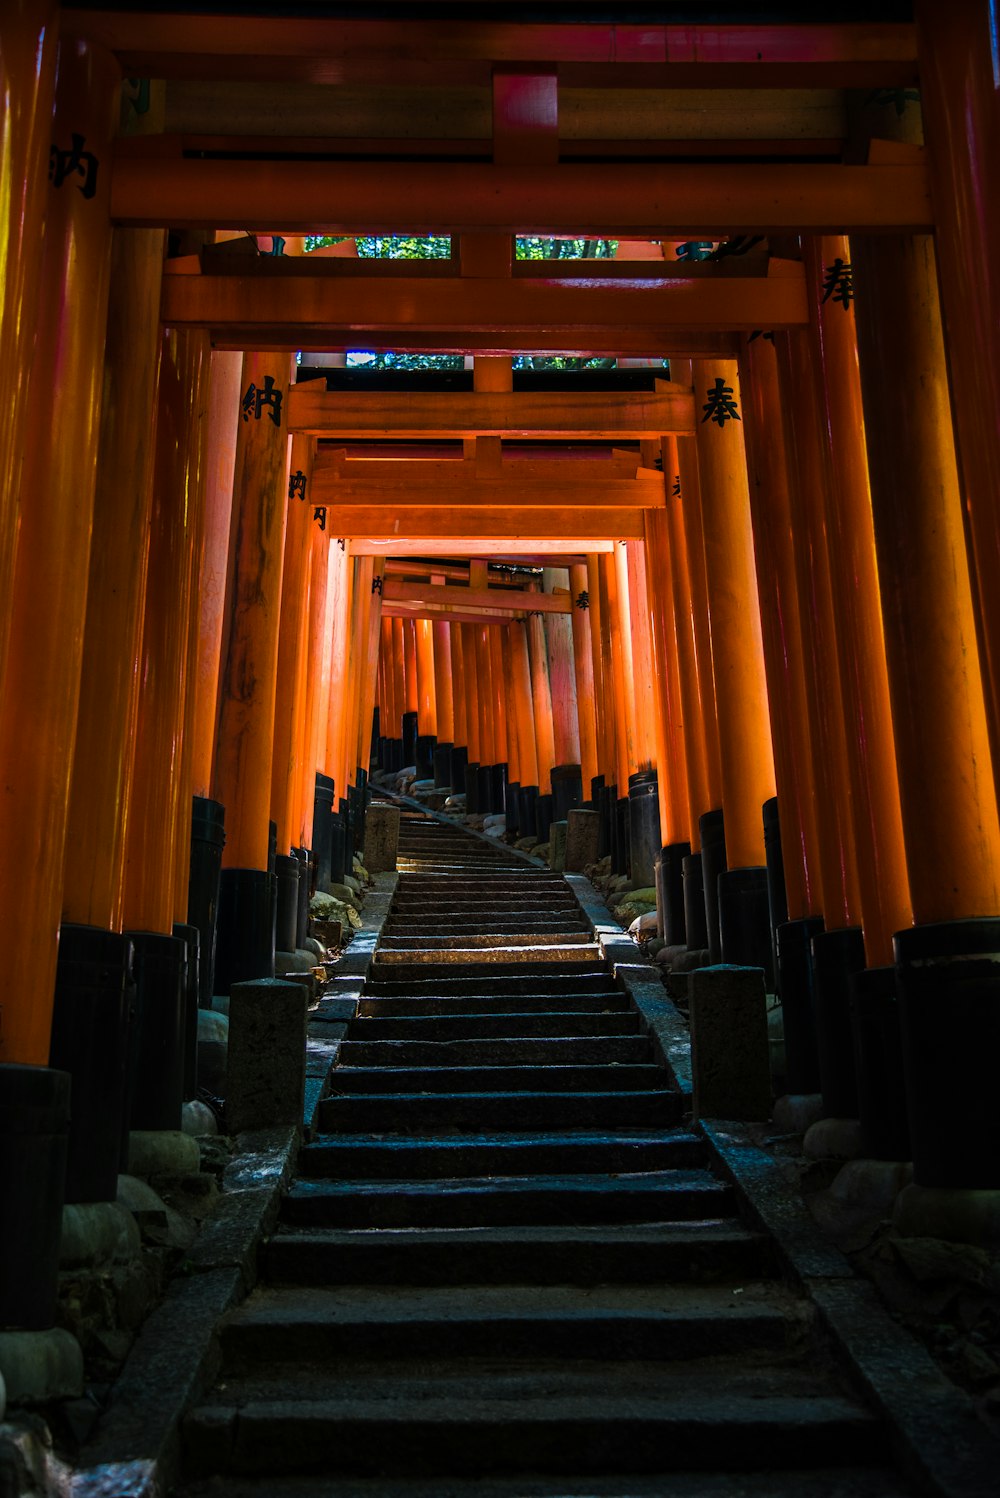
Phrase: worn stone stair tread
(463, 940)
(460, 931)
(411, 1423)
(536, 1050)
(703, 1249)
(501, 1000)
(533, 950)
(645, 1077)
(427, 1157)
(547, 983)
(830, 1482)
(451, 1112)
(552, 1025)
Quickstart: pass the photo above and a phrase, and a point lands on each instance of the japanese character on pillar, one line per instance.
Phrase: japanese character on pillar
(720, 406)
(759, 333)
(342, 542)
(255, 400)
(838, 283)
(376, 585)
(582, 600)
(676, 490)
(297, 484)
(76, 162)
(319, 515)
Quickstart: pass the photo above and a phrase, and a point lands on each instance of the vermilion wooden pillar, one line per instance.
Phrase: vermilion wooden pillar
(788, 699)
(316, 717)
(289, 728)
(562, 676)
(27, 79)
(946, 972)
(498, 682)
(694, 540)
(332, 665)
(101, 792)
(738, 662)
(470, 673)
(602, 710)
(427, 699)
(883, 884)
(399, 676)
(960, 98)
(671, 755)
(444, 692)
(374, 625)
(513, 748)
(223, 424)
(525, 713)
(689, 687)
(42, 679)
(178, 496)
(247, 675)
(542, 704)
(583, 666)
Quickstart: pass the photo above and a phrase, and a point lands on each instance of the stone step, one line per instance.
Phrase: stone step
(361, 1157)
(391, 1421)
(632, 1077)
(471, 962)
(460, 926)
(454, 946)
(492, 983)
(525, 1050)
(420, 903)
(405, 999)
(830, 1482)
(654, 1323)
(506, 1201)
(536, 1254)
(540, 1024)
(466, 1112)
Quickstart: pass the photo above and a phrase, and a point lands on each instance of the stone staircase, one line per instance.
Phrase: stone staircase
(506, 1266)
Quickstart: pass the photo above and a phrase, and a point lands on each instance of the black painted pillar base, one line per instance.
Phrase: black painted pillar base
(34, 1125)
(459, 760)
(837, 956)
(302, 914)
(409, 740)
(713, 863)
(745, 920)
(672, 893)
(338, 848)
(245, 948)
(425, 746)
(607, 800)
(797, 991)
(621, 851)
(286, 930)
(208, 838)
(695, 925)
(156, 1059)
(512, 806)
(442, 767)
(395, 755)
(773, 857)
(472, 787)
(498, 787)
(596, 786)
(948, 986)
(543, 816)
(91, 1017)
(191, 937)
(323, 804)
(878, 1054)
(527, 818)
(484, 790)
(644, 827)
(567, 790)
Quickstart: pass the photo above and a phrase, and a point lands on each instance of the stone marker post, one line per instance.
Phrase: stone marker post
(582, 830)
(265, 1074)
(730, 1058)
(381, 838)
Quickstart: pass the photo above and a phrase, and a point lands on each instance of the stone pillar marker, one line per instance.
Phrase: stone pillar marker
(730, 1059)
(265, 1074)
(381, 837)
(582, 831)
(557, 856)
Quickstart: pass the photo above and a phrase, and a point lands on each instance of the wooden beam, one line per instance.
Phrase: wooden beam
(540, 550)
(454, 485)
(308, 308)
(444, 594)
(450, 616)
(647, 201)
(606, 416)
(162, 44)
(411, 468)
(373, 521)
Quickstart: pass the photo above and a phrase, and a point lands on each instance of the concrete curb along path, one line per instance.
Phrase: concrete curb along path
(135, 1450)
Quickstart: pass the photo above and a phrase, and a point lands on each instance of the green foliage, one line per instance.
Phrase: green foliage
(529, 247)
